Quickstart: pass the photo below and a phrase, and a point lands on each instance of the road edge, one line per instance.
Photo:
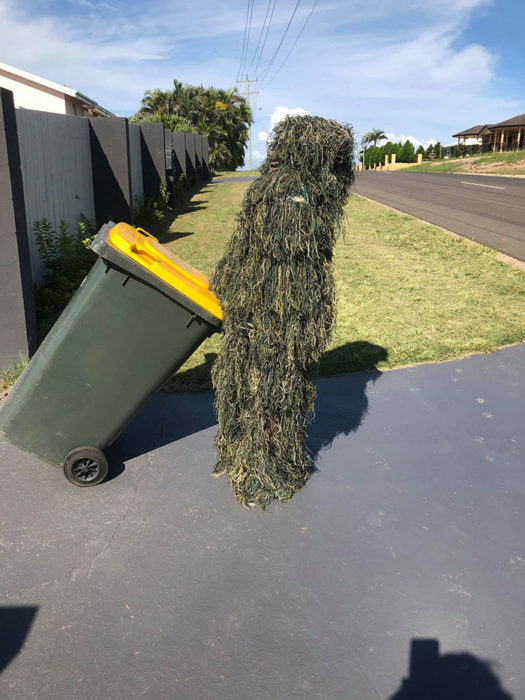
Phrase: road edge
(503, 257)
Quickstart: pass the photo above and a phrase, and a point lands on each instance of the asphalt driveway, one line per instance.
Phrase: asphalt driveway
(399, 568)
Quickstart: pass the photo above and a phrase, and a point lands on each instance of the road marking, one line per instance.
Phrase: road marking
(478, 184)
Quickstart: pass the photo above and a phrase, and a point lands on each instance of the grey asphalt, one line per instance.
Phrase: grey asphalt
(489, 210)
(407, 545)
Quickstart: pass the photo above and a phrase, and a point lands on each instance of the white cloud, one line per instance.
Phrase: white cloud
(279, 113)
(405, 67)
(112, 62)
(402, 138)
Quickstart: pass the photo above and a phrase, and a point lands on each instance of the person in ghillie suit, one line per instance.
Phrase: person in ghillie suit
(276, 286)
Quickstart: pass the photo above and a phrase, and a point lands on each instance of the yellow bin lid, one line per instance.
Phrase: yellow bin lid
(144, 249)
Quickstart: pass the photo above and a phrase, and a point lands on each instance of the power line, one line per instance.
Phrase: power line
(260, 35)
(265, 38)
(270, 63)
(248, 37)
(293, 46)
(241, 62)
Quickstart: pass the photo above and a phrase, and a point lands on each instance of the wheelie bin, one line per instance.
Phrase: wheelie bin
(136, 317)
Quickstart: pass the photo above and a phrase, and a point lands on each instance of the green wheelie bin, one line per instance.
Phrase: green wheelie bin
(136, 317)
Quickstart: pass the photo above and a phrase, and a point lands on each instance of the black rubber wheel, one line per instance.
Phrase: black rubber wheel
(86, 466)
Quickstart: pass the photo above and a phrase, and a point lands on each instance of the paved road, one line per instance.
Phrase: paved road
(490, 210)
(157, 584)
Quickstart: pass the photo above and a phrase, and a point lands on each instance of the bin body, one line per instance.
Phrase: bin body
(122, 334)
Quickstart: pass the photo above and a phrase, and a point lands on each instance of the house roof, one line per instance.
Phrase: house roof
(57, 87)
(473, 131)
(518, 120)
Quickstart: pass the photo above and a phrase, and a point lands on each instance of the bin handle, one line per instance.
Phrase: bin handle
(143, 252)
(141, 230)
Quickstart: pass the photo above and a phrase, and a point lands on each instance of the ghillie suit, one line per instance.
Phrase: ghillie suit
(276, 286)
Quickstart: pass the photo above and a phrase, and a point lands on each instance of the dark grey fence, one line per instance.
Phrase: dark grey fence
(55, 158)
(58, 167)
(17, 308)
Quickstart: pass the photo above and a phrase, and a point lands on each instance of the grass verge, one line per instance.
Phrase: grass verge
(506, 163)
(407, 291)
(9, 376)
(237, 173)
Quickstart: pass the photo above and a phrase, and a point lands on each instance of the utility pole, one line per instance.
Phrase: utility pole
(247, 94)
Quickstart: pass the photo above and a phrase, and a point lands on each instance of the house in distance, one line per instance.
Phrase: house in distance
(33, 92)
(508, 135)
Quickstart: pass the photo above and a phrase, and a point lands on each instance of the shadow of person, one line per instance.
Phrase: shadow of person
(460, 676)
(182, 409)
(341, 405)
(194, 379)
(15, 623)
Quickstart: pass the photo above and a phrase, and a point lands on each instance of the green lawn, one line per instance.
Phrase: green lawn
(408, 292)
(237, 173)
(9, 376)
(506, 163)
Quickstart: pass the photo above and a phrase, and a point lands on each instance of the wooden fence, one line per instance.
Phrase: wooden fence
(58, 167)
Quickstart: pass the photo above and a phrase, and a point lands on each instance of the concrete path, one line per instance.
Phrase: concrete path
(407, 544)
(489, 210)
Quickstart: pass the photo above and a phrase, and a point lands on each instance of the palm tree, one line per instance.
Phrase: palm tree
(222, 115)
(374, 136)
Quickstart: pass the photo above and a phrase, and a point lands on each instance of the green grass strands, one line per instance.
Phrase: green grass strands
(275, 282)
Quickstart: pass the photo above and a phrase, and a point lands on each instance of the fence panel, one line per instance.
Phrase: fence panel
(205, 157)
(55, 158)
(198, 154)
(190, 157)
(153, 156)
(135, 162)
(179, 146)
(17, 309)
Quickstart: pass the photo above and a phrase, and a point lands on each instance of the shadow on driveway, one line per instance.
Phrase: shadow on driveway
(15, 623)
(340, 407)
(457, 676)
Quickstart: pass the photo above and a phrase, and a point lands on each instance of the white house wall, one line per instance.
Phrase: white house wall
(28, 95)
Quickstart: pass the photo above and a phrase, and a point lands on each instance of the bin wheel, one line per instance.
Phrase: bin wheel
(85, 466)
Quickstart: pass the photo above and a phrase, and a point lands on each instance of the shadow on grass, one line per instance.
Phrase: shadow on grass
(357, 356)
(183, 205)
(194, 379)
(460, 676)
(171, 236)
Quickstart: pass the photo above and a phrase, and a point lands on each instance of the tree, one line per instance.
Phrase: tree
(430, 151)
(437, 150)
(421, 150)
(397, 148)
(374, 136)
(222, 115)
(407, 152)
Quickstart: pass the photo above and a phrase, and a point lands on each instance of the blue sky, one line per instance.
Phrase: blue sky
(418, 68)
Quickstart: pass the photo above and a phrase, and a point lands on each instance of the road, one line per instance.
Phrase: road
(489, 210)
